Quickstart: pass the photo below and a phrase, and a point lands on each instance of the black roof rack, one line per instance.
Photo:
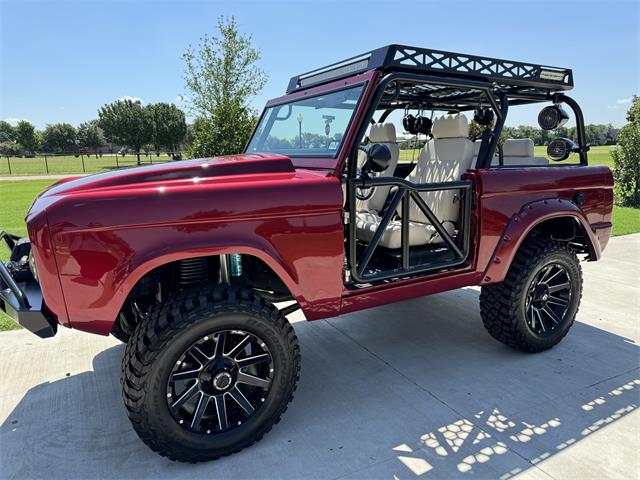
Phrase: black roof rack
(437, 62)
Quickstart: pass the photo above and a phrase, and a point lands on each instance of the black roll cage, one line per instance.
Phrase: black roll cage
(500, 100)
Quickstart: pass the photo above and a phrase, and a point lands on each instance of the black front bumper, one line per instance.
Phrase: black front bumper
(20, 294)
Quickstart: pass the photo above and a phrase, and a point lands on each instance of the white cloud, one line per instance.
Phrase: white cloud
(14, 121)
(624, 100)
(133, 99)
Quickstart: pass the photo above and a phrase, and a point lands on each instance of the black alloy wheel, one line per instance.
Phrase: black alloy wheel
(548, 299)
(220, 381)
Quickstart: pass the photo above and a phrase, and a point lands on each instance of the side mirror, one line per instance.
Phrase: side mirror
(560, 148)
(378, 158)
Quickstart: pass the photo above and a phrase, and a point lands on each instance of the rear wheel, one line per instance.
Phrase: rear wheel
(209, 373)
(536, 304)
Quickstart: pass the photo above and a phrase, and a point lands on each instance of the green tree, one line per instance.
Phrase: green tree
(169, 126)
(217, 136)
(59, 137)
(626, 159)
(222, 77)
(9, 149)
(26, 136)
(126, 122)
(7, 132)
(475, 130)
(633, 114)
(90, 136)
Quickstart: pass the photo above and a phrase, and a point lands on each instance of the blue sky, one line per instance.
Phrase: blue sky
(60, 61)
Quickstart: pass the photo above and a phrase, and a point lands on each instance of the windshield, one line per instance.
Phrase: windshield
(309, 127)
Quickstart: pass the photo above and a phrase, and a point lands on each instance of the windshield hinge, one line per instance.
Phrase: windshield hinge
(347, 275)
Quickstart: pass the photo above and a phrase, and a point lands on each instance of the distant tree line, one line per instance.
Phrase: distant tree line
(595, 134)
(157, 126)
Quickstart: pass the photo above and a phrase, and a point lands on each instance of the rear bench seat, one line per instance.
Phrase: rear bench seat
(519, 152)
(515, 152)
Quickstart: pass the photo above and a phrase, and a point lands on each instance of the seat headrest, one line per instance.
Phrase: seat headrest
(520, 147)
(382, 133)
(451, 126)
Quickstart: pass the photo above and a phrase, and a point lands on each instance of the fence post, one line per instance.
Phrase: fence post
(46, 163)
(82, 157)
(9, 164)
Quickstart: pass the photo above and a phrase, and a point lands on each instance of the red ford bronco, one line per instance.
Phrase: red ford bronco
(196, 264)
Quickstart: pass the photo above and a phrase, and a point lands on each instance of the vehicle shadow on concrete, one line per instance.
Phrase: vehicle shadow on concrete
(416, 388)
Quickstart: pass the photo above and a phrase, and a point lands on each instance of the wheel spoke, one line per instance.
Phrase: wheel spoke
(245, 362)
(199, 355)
(201, 407)
(221, 412)
(557, 288)
(235, 351)
(560, 270)
(558, 301)
(239, 397)
(188, 375)
(551, 314)
(220, 341)
(532, 315)
(540, 320)
(189, 392)
(545, 271)
(252, 380)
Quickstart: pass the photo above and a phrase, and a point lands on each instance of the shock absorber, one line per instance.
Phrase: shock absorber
(230, 266)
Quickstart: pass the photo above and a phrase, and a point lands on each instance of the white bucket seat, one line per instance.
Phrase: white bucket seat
(384, 134)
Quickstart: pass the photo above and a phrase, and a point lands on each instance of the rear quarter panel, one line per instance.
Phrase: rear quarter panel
(512, 201)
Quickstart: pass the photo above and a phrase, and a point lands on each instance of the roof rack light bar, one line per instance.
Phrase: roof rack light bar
(335, 71)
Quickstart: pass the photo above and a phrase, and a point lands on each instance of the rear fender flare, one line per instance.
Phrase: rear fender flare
(521, 224)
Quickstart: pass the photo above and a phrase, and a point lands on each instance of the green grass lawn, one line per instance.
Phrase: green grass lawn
(59, 165)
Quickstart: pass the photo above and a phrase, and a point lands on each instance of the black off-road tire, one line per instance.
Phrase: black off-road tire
(119, 333)
(502, 306)
(156, 344)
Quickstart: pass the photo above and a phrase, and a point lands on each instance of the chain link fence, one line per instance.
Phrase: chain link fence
(56, 164)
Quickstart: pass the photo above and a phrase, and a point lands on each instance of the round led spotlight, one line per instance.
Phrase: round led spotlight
(560, 148)
(552, 117)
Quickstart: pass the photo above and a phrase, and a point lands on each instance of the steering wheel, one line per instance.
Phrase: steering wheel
(367, 192)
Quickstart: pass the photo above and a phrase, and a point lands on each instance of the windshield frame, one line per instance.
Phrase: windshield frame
(327, 162)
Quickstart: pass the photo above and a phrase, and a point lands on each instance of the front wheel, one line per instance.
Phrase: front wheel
(209, 373)
(536, 304)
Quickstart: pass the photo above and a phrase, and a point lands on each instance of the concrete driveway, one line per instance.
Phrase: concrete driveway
(416, 389)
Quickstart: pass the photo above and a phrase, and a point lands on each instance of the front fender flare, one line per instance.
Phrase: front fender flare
(521, 224)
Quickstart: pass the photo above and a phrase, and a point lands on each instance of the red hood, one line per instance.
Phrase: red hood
(176, 172)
